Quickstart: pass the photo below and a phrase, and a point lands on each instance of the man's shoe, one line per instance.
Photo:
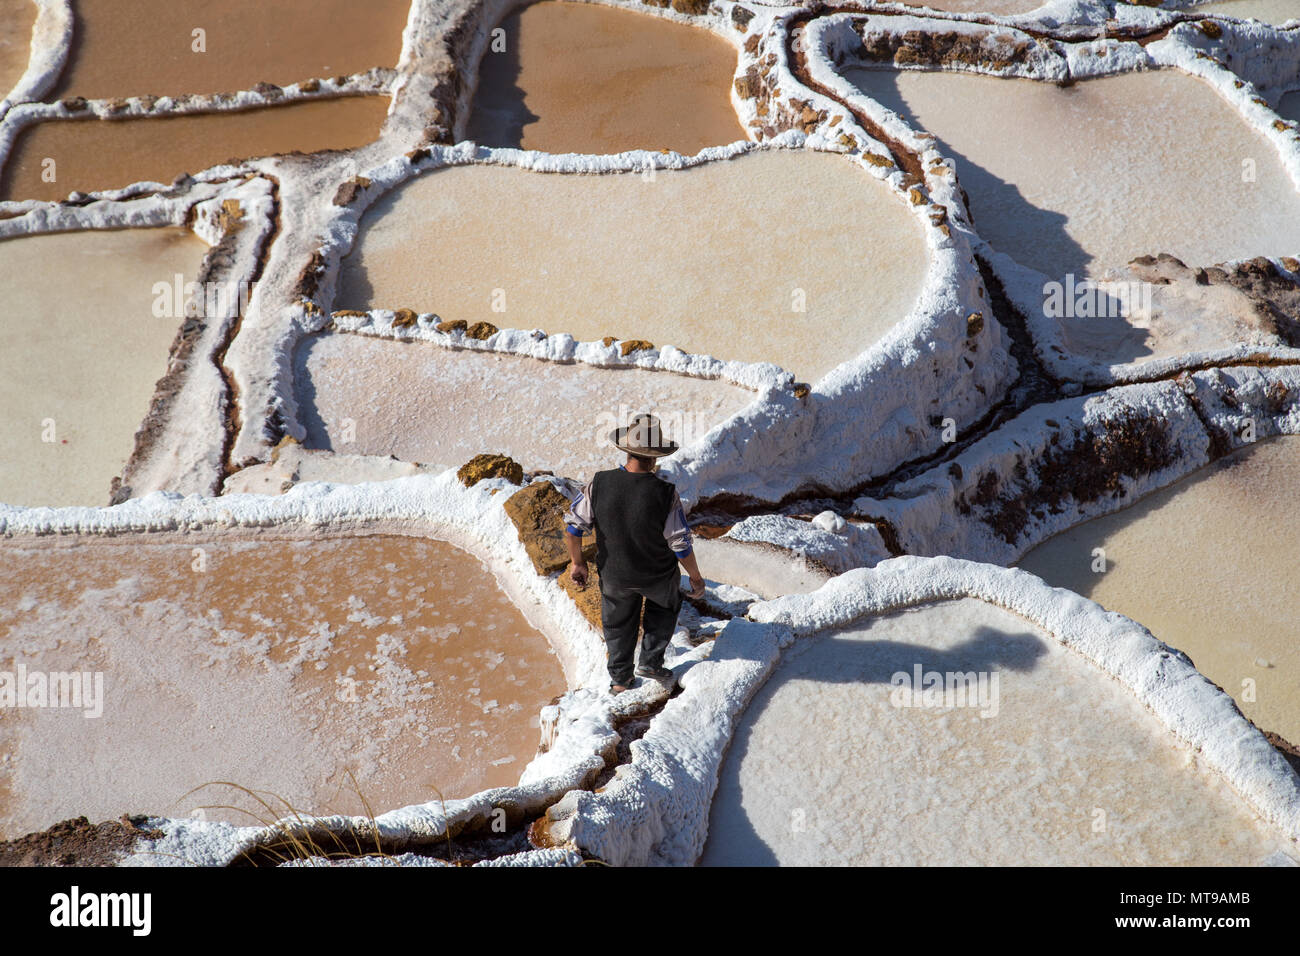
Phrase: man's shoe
(662, 674)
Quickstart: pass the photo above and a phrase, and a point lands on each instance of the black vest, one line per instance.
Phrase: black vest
(630, 510)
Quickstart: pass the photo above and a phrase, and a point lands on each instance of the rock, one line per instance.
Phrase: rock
(628, 346)
(588, 598)
(490, 466)
(455, 325)
(349, 190)
(748, 86)
(404, 319)
(538, 512)
(830, 521)
(974, 324)
(693, 7)
(481, 330)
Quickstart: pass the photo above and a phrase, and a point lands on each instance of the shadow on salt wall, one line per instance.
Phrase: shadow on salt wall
(1041, 243)
(1288, 107)
(858, 662)
(304, 390)
(498, 115)
(1044, 244)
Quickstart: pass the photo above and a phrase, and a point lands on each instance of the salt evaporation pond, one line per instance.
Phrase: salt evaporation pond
(16, 20)
(716, 259)
(420, 402)
(1209, 565)
(1068, 769)
(995, 7)
(132, 47)
(108, 154)
(83, 352)
(579, 78)
(1165, 177)
(1270, 11)
(280, 665)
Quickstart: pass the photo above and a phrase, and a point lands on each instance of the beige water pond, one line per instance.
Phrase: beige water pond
(1065, 767)
(581, 78)
(421, 402)
(16, 20)
(132, 47)
(718, 259)
(1270, 11)
(1209, 566)
(277, 664)
(83, 351)
(1078, 179)
(93, 154)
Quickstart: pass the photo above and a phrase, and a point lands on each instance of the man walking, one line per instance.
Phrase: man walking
(641, 535)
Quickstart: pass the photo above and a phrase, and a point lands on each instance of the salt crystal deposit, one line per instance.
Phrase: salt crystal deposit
(820, 242)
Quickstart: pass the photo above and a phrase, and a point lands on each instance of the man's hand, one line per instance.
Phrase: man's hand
(697, 587)
(578, 572)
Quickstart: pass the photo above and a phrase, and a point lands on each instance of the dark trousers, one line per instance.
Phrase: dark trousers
(620, 615)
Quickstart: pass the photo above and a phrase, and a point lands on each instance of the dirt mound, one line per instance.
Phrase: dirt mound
(490, 466)
(74, 843)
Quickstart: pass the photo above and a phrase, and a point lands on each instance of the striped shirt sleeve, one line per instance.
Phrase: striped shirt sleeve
(676, 530)
(579, 518)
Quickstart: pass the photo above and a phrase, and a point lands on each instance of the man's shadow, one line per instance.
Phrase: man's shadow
(858, 662)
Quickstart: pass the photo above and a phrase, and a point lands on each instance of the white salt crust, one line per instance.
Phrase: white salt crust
(655, 810)
(763, 451)
(656, 807)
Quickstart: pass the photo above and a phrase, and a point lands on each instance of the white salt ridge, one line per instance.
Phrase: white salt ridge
(924, 512)
(50, 42)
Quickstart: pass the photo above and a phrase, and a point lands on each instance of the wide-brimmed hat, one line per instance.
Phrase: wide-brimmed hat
(643, 436)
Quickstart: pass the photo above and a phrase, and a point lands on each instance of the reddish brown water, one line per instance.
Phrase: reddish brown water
(109, 154)
(131, 47)
(279, 665)
(575, 77)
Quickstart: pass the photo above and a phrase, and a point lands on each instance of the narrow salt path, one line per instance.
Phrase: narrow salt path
(1054, 764)
(420, 402)
(85, 338)
(731, 259)
(996, 7)
(1209, 566)
(581, 78)
(282, 665)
